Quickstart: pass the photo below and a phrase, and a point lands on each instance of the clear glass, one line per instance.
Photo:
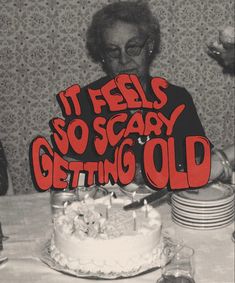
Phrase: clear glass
(139, 180)
(94, 192)
(177, 265)
(82, 191)
(58, 199)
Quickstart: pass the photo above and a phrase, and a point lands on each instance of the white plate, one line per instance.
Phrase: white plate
(193, 209)
(211, 192)
(204, 204)
(203, 209)
(203, 224)
(214, 194)
(201, 206)
(204, 220)
(201, 227)
(202, 215)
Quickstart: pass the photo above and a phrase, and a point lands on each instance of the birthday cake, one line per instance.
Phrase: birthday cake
(98, 236)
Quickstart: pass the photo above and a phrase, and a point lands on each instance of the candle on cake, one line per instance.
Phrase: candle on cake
(107, 211)
(133, 196)
(134, 221)
(110, 198)
(100, 224)
(146, 208)
(99, 227)
(86, 197)
(64, 206)
(74, 220)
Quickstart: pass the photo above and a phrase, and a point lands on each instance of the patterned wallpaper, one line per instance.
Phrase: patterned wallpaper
(42, 52)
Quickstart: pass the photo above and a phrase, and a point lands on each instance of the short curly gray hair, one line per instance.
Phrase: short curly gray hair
(137, 12)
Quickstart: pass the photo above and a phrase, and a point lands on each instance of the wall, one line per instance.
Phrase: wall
(42, 52)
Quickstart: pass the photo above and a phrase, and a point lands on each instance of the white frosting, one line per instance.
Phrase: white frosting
(84, 240)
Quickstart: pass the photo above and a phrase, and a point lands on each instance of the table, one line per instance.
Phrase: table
(26, 219)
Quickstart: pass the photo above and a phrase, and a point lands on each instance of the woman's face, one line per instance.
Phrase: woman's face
(126, 50)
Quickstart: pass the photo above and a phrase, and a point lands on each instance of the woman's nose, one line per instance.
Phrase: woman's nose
(124, 58)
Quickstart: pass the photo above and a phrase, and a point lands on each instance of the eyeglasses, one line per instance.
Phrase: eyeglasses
(131, 49)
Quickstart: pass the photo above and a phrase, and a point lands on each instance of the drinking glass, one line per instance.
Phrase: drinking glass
(138, 179)
(58, 199)
(177, 265)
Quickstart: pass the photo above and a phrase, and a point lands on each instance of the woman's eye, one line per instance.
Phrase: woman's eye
(133, 50)
(112, 52)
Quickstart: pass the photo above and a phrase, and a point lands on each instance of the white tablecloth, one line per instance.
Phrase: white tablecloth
(26, 219)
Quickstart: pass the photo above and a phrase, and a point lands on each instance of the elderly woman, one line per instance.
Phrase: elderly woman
(124, 38)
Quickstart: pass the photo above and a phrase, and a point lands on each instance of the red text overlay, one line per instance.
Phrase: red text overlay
(50, 168)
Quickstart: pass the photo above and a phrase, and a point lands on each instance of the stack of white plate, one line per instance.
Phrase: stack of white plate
(209, 207)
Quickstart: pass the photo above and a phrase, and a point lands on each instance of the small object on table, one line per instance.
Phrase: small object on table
(226, 175)
(178, 265)
(173, 279)
(233, 236)
(1, 234)
(3, 260)
(59, 198)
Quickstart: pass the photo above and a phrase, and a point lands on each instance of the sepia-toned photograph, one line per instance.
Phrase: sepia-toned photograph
(117, 141)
